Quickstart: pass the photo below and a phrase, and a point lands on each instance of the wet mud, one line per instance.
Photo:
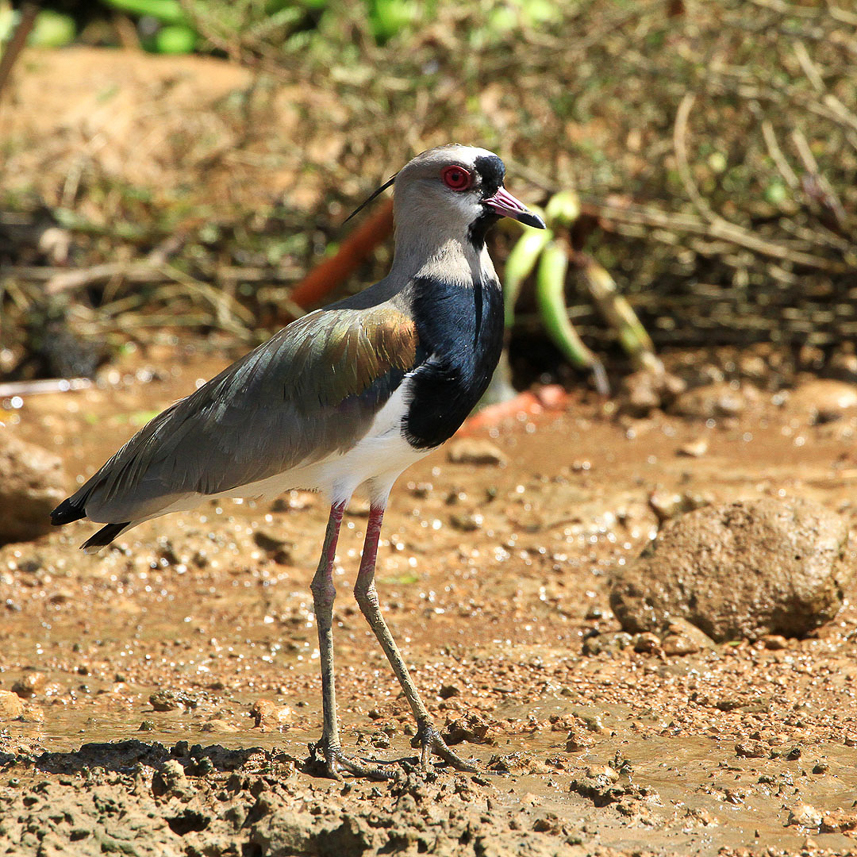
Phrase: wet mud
(158, 698)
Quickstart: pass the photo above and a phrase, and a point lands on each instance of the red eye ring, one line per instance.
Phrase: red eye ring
(456, 178)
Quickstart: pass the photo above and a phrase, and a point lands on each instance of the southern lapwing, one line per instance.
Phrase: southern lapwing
(346, 396)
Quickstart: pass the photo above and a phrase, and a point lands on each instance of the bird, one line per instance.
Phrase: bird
(345, 397)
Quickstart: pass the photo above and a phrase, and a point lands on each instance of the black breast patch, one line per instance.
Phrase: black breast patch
(460, 332)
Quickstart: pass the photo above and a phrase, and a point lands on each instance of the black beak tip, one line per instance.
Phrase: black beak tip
(530, 219)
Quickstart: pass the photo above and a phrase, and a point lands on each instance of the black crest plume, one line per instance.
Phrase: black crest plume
(374, 194)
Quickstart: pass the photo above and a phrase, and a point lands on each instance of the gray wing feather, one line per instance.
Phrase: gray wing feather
(312, 389)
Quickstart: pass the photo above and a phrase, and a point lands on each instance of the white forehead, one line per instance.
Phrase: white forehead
(456, 154)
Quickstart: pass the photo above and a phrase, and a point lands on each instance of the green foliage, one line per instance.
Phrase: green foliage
(52, 30)
(174, 39)
(265, 27)
(165, 11)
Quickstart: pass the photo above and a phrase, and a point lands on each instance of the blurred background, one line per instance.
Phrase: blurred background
(173, 169)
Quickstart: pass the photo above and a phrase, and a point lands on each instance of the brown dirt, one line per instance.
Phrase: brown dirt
(492, 577)
(176, 126)
(169, 686)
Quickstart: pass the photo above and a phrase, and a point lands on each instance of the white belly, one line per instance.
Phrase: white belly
(377, 460)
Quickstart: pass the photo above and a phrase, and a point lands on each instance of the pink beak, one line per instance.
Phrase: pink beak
(507, 206)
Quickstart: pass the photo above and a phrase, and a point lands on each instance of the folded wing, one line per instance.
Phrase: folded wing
(311, 390)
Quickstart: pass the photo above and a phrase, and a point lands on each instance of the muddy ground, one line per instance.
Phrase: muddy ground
(170, 684)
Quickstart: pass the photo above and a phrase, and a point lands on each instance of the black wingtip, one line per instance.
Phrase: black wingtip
(104, 536)
(71, 509)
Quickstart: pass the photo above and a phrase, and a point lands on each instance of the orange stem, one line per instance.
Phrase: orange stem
(331, 273)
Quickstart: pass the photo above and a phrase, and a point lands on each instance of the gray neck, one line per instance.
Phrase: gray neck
(453, 260)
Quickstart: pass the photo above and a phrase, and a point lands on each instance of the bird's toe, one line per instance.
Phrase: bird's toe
(430, 742)
(329, 761)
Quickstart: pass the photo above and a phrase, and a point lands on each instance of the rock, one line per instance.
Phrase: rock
(466, 522)
(575, 740)
(822, 401)
(32, 483)
(838, 821)
(742, 570)
(475, 451)
(714, 400)
(279, 549)
(172, 780)
(668, 504)
(611, 642)
(216, 724)
(10, 705)
(645, 390)
(694, 448)
(31, 684)
(647, 643)
(270, 716)
(172, 700)
(699, 818)
(600, 784)
(471, 728)
(682, 638)
(752, 750)
(805, 815)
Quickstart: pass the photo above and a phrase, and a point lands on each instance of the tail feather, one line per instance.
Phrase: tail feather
(104, 536)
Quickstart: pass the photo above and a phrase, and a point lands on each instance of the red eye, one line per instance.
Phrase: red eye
(456, 178)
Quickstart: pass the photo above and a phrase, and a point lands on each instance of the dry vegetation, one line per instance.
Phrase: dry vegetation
(714, 146)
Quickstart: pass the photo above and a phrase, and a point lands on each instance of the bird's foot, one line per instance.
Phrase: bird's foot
(429, 741)
(330, 761)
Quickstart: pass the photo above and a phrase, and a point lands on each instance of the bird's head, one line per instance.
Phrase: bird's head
(457, 190)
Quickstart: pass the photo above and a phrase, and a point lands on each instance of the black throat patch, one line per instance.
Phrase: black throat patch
(477, 230)
(492, 171)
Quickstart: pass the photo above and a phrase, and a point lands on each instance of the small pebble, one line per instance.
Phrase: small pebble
(752, 750)
(170, 700)
(471, 728)
(574, 741)
(804, 815)
(31, 684)
(216, 725)
(694, 449)
(475, 451)
(270, 716)
(646, 643)
(465, 523)
(679, 644)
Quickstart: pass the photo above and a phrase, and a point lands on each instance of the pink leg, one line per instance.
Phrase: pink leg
(367, 597)
(324, 593)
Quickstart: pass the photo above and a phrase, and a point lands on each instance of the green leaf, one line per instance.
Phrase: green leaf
(519, 265)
